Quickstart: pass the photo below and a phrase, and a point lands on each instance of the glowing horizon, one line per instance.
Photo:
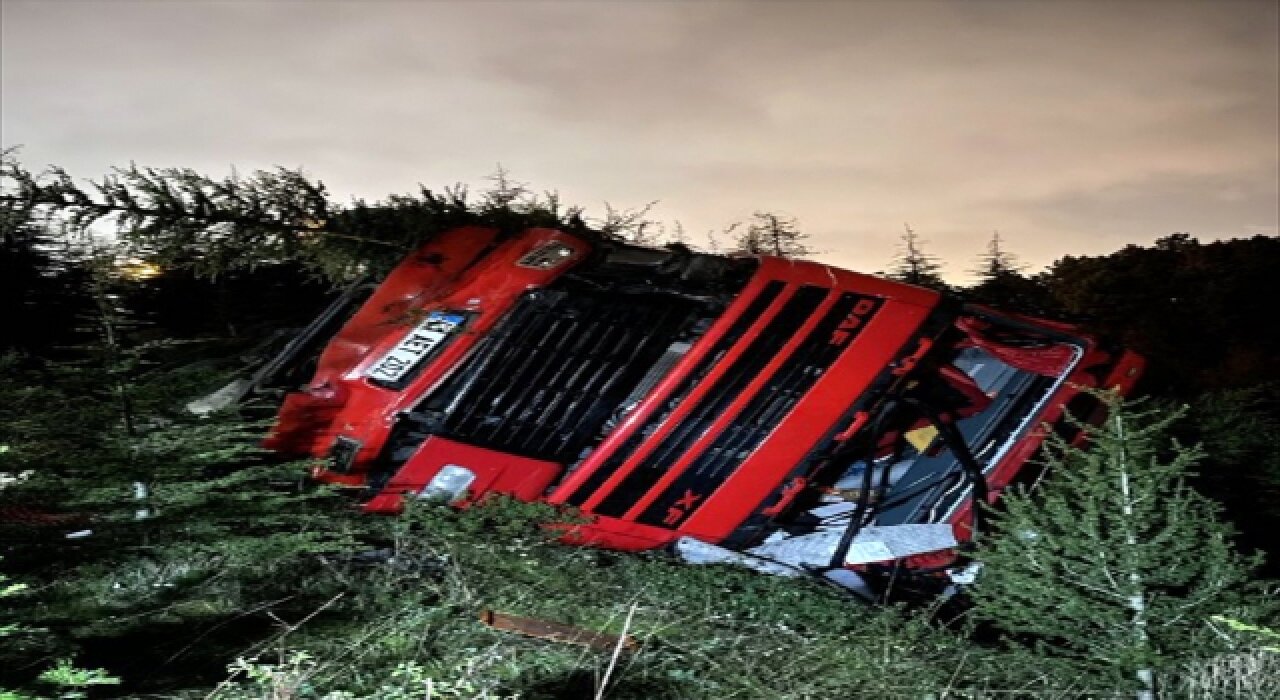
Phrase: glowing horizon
(1072, 128)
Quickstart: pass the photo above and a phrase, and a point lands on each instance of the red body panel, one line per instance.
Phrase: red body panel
(815, 415)
(463, 270)
(496, 472)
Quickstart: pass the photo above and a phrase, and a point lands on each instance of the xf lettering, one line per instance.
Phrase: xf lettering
(681, 508)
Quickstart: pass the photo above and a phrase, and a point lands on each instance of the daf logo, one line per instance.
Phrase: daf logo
(851, 323)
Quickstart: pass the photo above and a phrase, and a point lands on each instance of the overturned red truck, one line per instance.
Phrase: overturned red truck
(784, 414)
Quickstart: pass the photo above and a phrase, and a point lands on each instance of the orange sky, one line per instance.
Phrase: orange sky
(1071, 127)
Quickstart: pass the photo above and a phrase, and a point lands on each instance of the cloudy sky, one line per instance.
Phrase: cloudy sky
(1071, 127)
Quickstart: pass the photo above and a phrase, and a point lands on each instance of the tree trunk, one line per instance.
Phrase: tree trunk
(1137, 601)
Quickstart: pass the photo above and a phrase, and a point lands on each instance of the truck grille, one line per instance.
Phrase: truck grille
(726, 390)
(758, 418)
(548, 377)
(640, 434)
(761, 415)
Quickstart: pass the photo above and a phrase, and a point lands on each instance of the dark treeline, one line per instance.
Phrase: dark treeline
(240, 258)
(270, 245)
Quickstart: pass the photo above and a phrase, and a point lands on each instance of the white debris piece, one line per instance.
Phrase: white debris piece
(966, 575)
(220, 399)
(696, 551)
(896, 541)
(871, 544)
(788, 555)
(141, 492)
(814, 549)
(7, 478)
(831, 510)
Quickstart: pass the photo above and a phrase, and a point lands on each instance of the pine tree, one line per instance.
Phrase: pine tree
(997, 263)
(770, 233)
(1001, 282)
(1115, 564)
(41, 288)
(914, 266)
(177, 216)
(632, 225)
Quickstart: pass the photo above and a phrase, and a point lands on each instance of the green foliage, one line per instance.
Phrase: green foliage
(73, 682)
(1246, 673)
(41, 289)
(292, 677)
(190, 526)
(1266, 637)
(9, 590)
(1239, 430)
(702, 632)
(1115, 564)
(69, 679)
(176, 216)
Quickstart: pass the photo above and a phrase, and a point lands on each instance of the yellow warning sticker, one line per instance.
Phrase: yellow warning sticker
(921, 438)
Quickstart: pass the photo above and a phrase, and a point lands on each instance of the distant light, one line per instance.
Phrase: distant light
(138, 270)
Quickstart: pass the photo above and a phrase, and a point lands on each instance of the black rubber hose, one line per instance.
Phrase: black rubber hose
(954, 440)
(858, 518)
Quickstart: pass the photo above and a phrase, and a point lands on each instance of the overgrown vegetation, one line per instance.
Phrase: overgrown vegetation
(1115, 564)
(146, 546)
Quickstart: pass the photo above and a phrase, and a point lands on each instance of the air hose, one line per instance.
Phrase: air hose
(951, 437)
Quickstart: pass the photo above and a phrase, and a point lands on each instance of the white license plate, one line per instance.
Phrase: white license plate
(418, 344)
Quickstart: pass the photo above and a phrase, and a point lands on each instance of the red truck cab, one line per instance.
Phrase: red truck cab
(753, 404)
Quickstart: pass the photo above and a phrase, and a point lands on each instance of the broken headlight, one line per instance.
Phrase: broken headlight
(449, 485)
